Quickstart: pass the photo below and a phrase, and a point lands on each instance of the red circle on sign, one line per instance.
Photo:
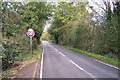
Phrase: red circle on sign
(30, 32)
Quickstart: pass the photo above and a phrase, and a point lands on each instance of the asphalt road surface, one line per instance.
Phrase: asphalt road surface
(59, 62)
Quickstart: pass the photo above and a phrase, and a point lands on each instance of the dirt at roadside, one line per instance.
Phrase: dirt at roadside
(26, 71)
(37, 75)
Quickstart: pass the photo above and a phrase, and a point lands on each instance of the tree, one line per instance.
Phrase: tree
(74, 26)
(16, 19)
(34, 14)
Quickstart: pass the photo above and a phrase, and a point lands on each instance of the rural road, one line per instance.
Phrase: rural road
(58, 62)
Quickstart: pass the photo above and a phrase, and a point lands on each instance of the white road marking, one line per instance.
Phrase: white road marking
(106, 64)
(50, 46)
(41, 68)
(89, 74)
(56, 49)
(62, 54)
(76, 65)
(81, 68)
(68, 59)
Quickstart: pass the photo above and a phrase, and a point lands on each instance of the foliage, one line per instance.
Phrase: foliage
(75, 27)
(35, 57)
(14, 41)
(45, 36)
(27, 59)
(16, 19)
(7, 74)
(66, 20)
(107, 34)
(34, 15)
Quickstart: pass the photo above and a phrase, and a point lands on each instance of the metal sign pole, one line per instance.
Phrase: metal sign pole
(30, 33)
(31, 45)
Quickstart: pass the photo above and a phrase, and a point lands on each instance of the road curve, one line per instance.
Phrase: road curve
(59, 62)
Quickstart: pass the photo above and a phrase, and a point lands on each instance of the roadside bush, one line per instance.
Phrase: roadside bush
(11, 54)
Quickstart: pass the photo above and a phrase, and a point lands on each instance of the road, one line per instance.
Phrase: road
(59, 62)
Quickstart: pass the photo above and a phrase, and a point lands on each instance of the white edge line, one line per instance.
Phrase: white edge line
(41, 67)
(107, 64)
(81, 68)
(62, 54)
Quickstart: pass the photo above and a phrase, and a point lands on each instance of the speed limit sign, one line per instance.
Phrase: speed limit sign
(30, 32)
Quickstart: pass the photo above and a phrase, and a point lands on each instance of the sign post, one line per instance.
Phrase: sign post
(30, 33)
(31, 45)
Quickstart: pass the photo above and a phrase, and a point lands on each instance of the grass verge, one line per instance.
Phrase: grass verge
(36, 55)
(105, 59)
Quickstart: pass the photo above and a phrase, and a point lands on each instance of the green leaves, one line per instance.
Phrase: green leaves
(16, 19)
(66, 21)
(74, 26)
(35, 14)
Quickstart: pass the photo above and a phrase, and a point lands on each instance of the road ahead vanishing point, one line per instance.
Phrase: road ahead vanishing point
(59, 62)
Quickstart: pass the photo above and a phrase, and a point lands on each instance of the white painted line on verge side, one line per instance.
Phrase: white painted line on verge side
(62, 54)
(41, 68)
(106, 64)
(81, 69)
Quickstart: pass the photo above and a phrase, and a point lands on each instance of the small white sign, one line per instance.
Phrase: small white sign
(30, 32)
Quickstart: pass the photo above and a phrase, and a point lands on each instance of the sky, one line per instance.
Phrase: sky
(94, 4)
(47, 25)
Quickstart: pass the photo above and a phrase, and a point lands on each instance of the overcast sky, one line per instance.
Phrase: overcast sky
(47, 25)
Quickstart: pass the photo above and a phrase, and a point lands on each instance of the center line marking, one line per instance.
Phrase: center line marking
(56, 49)
(81, 68)
(62, 54)
(76, 65)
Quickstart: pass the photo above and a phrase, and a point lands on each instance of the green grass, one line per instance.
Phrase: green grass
(105, 59)
(36, 55)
